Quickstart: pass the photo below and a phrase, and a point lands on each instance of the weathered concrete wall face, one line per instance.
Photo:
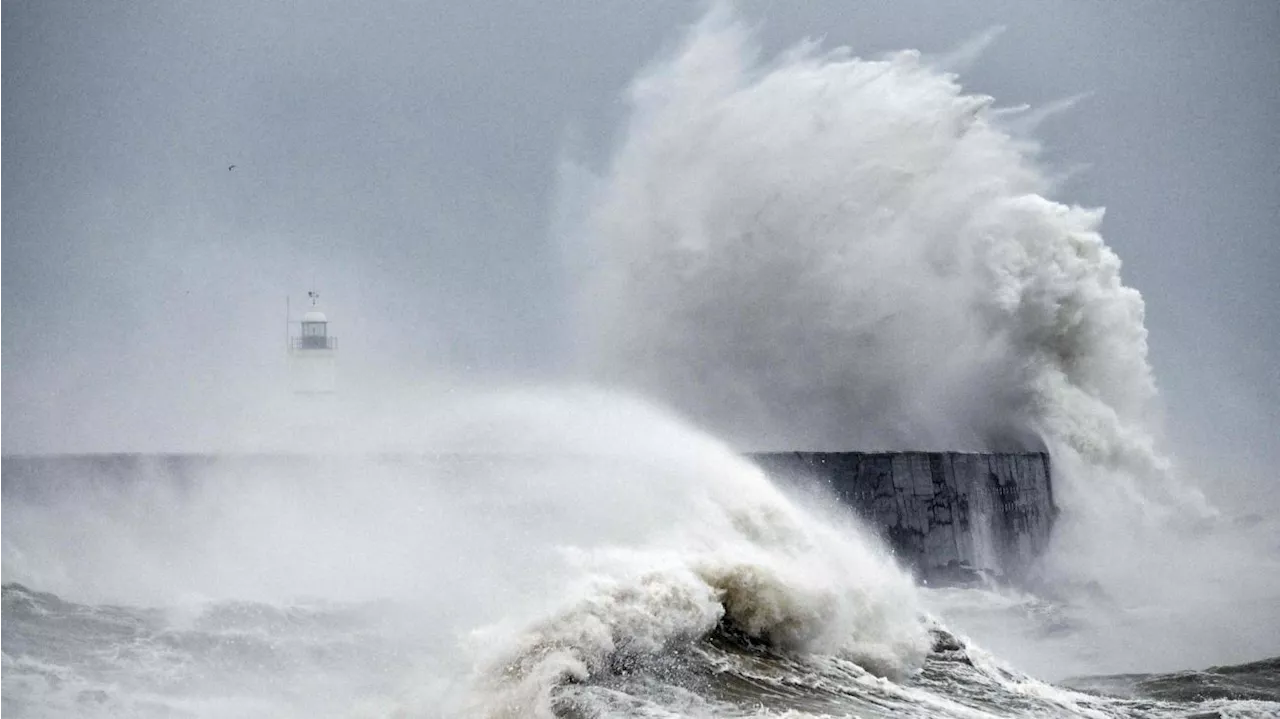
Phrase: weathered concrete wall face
(941, 511)
(938, 510)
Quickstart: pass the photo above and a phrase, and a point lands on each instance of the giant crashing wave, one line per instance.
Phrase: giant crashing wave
(815, 251)
(820, 251)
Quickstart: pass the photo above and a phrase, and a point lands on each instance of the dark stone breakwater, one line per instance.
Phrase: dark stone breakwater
(951, 516)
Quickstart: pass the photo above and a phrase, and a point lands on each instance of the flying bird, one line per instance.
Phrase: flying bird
(230, 168)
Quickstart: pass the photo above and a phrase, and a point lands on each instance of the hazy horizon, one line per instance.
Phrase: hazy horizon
(409, 160)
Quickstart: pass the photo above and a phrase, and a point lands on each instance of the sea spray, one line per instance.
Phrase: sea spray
(820, 251)
(548, 537)
(731, 551)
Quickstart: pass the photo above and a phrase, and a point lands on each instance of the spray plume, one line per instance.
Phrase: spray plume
(826, 252)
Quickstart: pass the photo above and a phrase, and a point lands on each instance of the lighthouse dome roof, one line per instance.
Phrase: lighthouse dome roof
(314, 316)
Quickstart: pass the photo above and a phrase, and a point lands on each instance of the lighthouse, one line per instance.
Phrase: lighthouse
(312, 352)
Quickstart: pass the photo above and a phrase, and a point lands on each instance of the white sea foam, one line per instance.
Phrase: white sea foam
(730, 547)
(596, 530)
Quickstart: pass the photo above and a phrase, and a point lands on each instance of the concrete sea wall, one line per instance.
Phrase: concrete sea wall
(945, 514)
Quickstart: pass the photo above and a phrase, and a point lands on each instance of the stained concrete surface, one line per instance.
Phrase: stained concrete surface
(950, 516)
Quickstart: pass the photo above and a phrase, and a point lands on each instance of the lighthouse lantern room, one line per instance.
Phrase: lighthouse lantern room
(312, 352)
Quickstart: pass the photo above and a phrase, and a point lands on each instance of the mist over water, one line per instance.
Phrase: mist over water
(621, 533)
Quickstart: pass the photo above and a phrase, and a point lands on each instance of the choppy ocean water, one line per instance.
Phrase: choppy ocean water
(64, 659)
(725, 627)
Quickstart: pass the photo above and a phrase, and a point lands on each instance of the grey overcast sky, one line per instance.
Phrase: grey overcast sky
(404, 155)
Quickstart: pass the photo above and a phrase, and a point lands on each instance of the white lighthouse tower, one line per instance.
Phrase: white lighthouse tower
(313, 353)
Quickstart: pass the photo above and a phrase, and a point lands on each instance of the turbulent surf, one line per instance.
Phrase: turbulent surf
(634, 568)
(814, 251)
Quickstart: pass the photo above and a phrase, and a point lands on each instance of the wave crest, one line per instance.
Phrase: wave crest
(747, 560)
